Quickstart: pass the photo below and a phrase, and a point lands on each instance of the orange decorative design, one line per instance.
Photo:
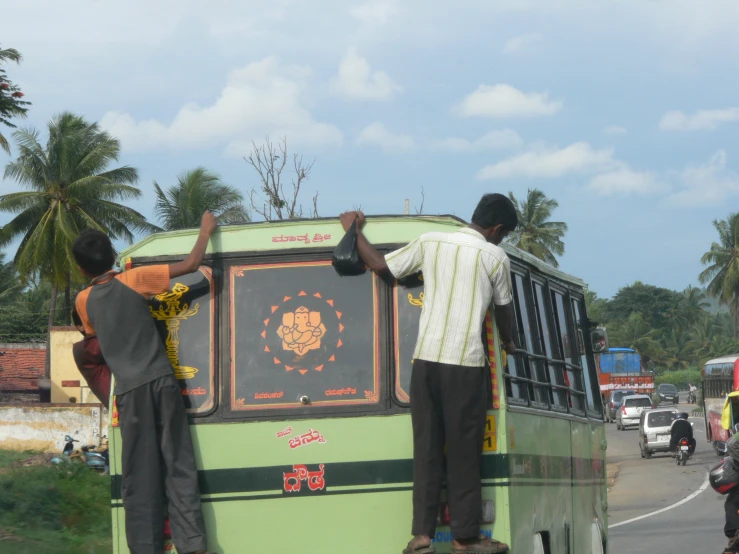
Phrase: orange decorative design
(301, 331)
(275, 308)
(240, 401)
(332, 358)
(339, 314)
(319, 368)
(341, 327)
(491, 359)
(318, 295)
(264, 334)
(371, 396)
(287, 298)
(303, 371)
(266, 322)
(277, 361)
(330, 303)
(302, 293)
(289, 368)
(339, 344)
(266, 348)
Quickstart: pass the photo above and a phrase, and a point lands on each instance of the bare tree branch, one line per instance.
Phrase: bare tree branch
(419, 211)
(270, 161)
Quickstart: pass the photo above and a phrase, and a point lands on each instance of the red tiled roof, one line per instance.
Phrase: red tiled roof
(21, 366)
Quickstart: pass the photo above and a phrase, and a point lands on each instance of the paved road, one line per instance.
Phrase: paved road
(644, 486)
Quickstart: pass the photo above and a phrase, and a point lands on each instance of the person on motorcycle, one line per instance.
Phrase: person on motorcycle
(693, 391)
(680, 429)
(731, 506)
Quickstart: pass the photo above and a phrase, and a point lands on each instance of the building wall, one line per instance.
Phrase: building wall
(22, 371)
(66, 380)
(44, 426)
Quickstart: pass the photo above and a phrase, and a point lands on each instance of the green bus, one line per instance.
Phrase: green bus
(297, 380)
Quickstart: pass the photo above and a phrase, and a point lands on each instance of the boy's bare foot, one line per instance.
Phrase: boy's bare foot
(480, 546)
(420, 544)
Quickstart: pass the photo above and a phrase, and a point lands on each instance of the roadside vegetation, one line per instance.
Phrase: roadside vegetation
(48, 509)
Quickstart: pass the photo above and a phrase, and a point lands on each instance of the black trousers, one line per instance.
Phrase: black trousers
(158, 458)
(448, 406)
(731, 507)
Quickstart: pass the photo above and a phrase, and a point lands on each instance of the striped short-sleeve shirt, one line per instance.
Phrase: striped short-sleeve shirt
(462, 275)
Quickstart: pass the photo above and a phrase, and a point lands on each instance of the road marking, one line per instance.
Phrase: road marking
(703, 487)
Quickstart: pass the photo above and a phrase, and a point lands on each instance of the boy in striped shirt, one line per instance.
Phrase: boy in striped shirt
(463, 273)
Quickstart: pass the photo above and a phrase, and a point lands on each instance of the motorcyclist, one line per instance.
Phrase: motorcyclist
(731, 506)
(681, 428)
(693, 390)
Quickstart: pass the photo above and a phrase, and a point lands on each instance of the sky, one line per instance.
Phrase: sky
(624, 111)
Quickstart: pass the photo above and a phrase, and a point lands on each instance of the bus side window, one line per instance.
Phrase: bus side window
(523, 365)
(556, 370)
(573, 374)
(592, 385)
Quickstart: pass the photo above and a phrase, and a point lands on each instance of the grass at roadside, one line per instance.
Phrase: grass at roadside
(48, 509)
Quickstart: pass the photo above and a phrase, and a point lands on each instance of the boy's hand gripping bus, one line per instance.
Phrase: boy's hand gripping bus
(297, 383)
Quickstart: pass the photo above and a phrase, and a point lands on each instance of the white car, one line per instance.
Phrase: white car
(631, 410)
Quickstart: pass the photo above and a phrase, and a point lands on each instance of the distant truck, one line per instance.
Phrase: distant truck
(622, 368)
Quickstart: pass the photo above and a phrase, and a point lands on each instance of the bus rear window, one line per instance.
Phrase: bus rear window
(185, 319)
(408, 304)
(301, 337)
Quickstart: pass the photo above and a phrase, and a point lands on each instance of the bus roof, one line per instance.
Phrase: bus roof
(731, 358)
(316, 233)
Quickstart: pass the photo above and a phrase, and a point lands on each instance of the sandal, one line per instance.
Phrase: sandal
(484, 546)
(419, 549)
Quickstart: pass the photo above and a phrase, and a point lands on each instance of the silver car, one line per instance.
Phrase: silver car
(654, 431)
(631, 410)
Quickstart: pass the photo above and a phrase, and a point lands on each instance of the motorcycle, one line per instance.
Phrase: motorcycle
(691, 397)
(683, 451)
(93, 457)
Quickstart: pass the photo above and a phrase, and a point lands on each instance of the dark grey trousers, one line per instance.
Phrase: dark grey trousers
(158, 459)
(448, 406)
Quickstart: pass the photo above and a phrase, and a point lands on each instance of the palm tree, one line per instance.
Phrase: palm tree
(10, 284)
(69, 189)
(11, 104)
(198, 190)
(535, 233)
(722, 273)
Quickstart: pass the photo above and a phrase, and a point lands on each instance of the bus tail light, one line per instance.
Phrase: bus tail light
(488, 513)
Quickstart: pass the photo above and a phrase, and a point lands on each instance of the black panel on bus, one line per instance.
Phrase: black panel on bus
(302, 336)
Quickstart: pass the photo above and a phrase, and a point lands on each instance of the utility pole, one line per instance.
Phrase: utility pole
(407, 206)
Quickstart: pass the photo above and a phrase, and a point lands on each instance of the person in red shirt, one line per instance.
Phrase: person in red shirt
(90, 362)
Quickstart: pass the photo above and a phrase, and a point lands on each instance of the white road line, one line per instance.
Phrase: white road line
(703, 487)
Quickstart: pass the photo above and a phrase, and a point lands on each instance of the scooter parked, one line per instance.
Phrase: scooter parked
(93, 457)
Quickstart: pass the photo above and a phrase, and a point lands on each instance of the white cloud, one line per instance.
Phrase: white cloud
(709, 184)
(356, 80)
(377, 12)
(702, 120)
(579, 157)
(261, 98)
(376, 134)
(522, 43)
(625, 181)
(506, 101)
(494, 140)
(614, 130)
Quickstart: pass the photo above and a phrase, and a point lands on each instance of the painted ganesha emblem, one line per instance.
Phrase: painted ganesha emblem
(301, 331)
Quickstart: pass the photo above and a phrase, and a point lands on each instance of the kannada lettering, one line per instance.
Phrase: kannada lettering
(200, 391)
(306, 239)
(341, 392)
(284, 432)
(299, 474)
(268, 395)
(306, 438)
